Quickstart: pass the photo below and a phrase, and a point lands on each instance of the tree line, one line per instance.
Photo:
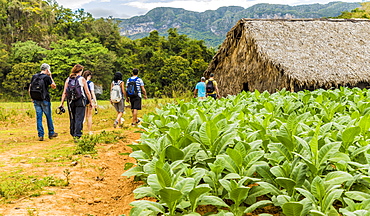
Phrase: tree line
(33, 32)
(362, 12)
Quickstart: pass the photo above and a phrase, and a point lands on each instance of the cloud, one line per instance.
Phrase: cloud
(203, 5)
(73, 4)
(129, 8)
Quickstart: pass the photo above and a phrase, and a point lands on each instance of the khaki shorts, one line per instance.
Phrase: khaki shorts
(120, 106)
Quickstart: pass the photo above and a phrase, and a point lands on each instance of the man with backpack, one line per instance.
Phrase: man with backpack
(39, 93)
(134, 88)
(211, 87)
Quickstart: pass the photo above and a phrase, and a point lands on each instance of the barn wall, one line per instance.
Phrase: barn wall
(239, 65)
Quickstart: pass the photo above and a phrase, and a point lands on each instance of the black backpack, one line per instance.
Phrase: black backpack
(74, 91)
(131, 88)
(209, 87)
(38, 88)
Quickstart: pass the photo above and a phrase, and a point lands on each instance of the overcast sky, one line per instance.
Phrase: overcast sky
(130, 8)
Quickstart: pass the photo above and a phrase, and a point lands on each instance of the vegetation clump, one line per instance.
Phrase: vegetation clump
(305, 153)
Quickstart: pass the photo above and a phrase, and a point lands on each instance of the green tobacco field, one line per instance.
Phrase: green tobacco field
(304, 153)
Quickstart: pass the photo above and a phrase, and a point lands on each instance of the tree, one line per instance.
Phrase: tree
(176, 76)
(362, 12)
(29, 51)
(93, 56)
(18, 80)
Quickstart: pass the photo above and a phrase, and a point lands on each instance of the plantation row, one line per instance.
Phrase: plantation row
(305, 153)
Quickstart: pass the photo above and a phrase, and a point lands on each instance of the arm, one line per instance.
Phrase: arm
(29, 92)
(64, 94)
(127, 98)
(123, 89)
(111, 86)
(52, 85)
(87, 92)
(217, 93)
(94, 97)
(195, 92)
(143, 91)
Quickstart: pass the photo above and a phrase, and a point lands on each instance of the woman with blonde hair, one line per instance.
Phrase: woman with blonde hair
(89, 109)
(76, 92)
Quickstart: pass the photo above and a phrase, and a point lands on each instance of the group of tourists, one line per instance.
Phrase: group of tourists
(79, 94)
(206, 88)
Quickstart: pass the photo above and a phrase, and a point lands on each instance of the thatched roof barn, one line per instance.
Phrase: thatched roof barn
(293, 54)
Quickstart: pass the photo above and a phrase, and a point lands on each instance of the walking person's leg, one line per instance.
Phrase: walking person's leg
(118, 119)
(135, 107)
(88, 117)
(79, 119)
(46, 107)
(72, 113)
(134, 116)
(119, 108)
(39, 113)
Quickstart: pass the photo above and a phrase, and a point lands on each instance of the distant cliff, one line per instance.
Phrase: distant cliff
(212, 25)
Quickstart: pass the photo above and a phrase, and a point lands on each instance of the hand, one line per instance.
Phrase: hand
(145, 97)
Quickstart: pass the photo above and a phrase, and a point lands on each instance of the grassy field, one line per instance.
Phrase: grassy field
(20, 148)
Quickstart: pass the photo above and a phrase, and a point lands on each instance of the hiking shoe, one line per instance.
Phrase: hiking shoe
(115, 123)
(53, 135)
(41, 138)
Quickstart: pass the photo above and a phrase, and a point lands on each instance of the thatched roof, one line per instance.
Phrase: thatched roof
(308, 52)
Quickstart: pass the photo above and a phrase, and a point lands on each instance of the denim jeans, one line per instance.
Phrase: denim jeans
(42, 107)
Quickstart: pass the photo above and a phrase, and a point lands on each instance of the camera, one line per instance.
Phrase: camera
(60, 110)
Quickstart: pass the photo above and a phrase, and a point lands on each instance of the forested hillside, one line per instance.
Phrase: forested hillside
(212, 25)
(33, 32)
(363, 12)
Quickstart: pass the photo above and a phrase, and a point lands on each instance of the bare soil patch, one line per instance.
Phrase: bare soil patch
(96, 185)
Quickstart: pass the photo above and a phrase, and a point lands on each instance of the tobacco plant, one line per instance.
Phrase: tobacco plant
(301, 152)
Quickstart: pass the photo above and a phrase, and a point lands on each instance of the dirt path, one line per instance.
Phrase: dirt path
(96, 185)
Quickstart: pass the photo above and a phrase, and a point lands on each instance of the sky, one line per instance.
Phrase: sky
(129, 8)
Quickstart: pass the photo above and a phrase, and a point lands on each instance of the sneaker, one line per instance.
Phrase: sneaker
(41, 138)
(133, 124)
(53, 135)
(115, 123)
(138, 121)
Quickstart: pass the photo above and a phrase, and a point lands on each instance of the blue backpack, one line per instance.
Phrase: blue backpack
(131, 88)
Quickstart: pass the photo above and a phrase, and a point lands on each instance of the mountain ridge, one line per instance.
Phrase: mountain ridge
(212, 25)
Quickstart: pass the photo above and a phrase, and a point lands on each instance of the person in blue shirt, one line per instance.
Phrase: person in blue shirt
(200, 89)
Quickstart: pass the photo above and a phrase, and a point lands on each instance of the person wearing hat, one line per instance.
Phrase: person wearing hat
(41, 100)
(200, 89)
